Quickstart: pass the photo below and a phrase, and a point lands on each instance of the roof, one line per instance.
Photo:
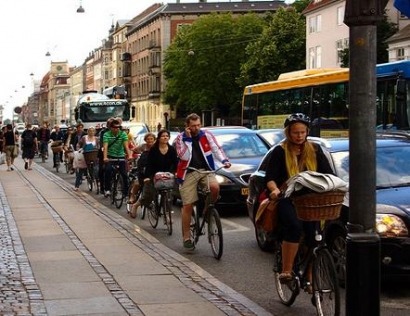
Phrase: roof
(403, 34)
(317, 4)
(206, 7)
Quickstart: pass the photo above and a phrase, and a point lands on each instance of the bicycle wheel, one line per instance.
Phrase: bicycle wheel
(153, 215)
(57, 166)
(167, 210)
(90, 181)
(215, 235)
(118, 197)
(194, 226)
(326, 293)
(288, 291)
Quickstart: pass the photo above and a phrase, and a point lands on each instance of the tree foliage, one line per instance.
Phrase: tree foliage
(281, 48)
(203, 61)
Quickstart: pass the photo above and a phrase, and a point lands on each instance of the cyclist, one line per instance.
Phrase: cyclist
(115, 144)
(57, 136)
(294, 155)
(101, 166)
(43, 136)
(162, 157)
(195, 148)
(144, 200)
(68, 151)
(88, 142)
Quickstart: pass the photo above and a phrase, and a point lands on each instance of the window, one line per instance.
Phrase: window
(400, 53)
(315, 24)
(315, 57)
(340, 15)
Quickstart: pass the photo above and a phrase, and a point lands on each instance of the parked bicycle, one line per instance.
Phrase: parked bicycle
(162, 204)
(117, 184)
(205, 214)
(313, 262)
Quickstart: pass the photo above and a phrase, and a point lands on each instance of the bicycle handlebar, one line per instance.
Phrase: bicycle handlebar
(205, 171)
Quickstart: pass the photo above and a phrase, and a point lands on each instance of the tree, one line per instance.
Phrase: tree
(281, 48)
(203, 62)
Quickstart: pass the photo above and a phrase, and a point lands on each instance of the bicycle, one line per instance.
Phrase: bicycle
(323, 287)
(132, 179)
(90, 158)
(210, 216)
(162, 205)
(57, 149)
(117, 184)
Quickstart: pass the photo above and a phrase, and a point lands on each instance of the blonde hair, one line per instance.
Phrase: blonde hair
(307, 160)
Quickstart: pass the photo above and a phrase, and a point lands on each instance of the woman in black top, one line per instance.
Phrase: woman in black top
(294, 155)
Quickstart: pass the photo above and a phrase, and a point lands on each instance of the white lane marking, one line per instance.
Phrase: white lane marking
(232, 226)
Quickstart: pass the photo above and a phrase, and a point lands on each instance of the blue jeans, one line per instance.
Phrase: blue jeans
(108, 174)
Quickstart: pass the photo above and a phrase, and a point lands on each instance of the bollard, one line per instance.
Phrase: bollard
(363, 274)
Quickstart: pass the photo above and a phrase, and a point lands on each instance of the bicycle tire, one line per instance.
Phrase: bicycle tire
(153, 215)
(326, 294)
(118, 193)
(57, 166)
(90, 183)
(193, 228)
(167, 208)
(287, 292)
(215, 234)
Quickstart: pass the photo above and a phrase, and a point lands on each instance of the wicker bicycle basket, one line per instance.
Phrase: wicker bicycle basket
(319, 206)
(57, 149)
(91, 155)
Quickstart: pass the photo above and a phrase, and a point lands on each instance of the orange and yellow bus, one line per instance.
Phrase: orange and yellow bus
(323, 95)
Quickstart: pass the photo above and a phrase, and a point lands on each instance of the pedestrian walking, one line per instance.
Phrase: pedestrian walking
(29, 146)
(10, 140)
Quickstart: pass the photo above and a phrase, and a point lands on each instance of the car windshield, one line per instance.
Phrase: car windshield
(392, 167)
(241, 145)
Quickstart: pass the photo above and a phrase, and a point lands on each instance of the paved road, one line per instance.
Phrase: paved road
(247, 269)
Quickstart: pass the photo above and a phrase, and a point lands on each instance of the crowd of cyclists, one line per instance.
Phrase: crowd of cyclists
(114, 144)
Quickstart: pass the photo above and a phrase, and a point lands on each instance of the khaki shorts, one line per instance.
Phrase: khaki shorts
(188, 189)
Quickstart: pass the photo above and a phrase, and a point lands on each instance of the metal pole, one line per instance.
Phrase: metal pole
(363, 243)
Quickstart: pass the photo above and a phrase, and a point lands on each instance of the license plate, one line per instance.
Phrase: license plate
(244, 191)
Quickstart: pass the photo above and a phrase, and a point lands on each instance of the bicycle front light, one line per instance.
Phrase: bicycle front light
(222, 179)
(389, 225)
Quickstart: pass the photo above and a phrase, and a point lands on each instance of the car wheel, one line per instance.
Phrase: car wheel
(337, 247)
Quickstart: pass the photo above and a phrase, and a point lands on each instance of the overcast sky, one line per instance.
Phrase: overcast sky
(30, 28)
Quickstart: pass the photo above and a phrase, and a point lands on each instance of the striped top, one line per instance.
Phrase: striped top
(115, 147)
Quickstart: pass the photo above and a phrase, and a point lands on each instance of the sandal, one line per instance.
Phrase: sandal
(285, 277)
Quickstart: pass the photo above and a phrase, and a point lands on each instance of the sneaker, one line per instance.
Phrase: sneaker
(26, 165)
(189, 244)
(11, 168)
(107, 193)
(75, 189)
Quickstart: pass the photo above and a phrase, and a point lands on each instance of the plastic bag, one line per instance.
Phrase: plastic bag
(164, 180)
(79, 161)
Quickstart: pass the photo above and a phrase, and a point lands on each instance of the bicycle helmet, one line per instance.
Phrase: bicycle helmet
(297, 117)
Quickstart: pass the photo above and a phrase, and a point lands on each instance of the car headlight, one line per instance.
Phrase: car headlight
(388, 225)
(222, 179)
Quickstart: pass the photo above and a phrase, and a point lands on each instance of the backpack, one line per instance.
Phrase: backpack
(28, 139)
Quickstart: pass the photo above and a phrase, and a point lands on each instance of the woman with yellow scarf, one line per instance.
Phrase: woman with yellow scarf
(294, 155)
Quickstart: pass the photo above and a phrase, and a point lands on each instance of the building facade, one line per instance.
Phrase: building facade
(327, 35)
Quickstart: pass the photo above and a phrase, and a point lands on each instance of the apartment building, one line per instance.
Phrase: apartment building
(327, 35)
(132, 55)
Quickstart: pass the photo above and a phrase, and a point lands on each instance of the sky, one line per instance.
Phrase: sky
(31, 28)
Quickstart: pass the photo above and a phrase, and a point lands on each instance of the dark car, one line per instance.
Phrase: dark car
(392, 198)
(245, 149)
